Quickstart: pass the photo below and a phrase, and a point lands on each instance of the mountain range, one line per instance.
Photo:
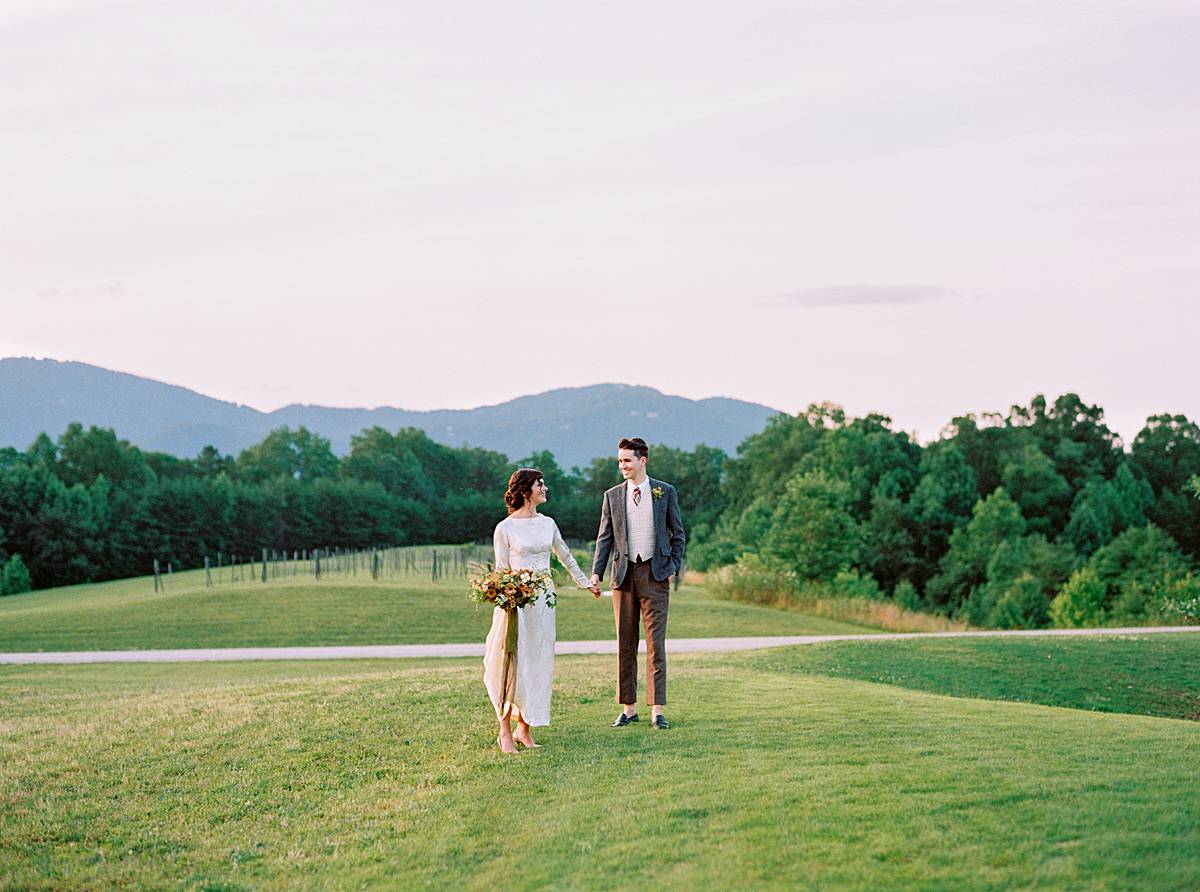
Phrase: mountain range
(576, 424)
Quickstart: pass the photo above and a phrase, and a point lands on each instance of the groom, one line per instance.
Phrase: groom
(640, 529)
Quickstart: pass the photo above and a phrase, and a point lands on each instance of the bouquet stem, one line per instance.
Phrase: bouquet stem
(508, 679)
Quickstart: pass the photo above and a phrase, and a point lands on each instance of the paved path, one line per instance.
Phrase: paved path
(475, 649)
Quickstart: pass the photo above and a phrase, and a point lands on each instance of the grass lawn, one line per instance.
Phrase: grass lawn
(1147, 674)
(127, 614)
(384, 774)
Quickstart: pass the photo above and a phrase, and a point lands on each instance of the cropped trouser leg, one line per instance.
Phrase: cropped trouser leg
(644, 597)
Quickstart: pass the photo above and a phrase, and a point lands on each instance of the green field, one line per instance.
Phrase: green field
(127, 614)
(776, 774)
(1146, 674)
(853, 765)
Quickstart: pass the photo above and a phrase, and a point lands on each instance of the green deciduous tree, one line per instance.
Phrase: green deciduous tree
(1073, 434)
(379, 457)
(811, 530)
(870, 457)
(1020, 581)
(65, 536)
(943, 500)
(1132, 573)
(767, 460)
(986, 447)
(1043, 494)
(83, 456)
(697, 477)
(299, 454)
(994, 520)
(1167, 450)
(1104, 508)
(888, 542)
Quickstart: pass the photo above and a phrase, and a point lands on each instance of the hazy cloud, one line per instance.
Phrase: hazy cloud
(848, 295)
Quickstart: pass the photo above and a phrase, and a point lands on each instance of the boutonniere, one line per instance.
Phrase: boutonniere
(656, 493)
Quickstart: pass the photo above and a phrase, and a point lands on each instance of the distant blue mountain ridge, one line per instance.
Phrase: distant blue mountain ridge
(576, 424)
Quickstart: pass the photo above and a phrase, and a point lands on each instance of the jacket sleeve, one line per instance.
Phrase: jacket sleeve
(675, 528)
(604, 540)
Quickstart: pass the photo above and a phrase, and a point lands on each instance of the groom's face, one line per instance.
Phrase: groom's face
(630, 463)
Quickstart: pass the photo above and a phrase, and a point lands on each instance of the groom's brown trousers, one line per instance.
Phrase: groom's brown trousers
(641, 594)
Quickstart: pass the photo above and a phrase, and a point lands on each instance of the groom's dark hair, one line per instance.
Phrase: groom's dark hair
(637, 444)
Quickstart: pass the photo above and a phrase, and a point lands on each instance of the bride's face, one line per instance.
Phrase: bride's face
(539, 493)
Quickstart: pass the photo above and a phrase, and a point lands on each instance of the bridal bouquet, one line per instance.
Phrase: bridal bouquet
(510, 589)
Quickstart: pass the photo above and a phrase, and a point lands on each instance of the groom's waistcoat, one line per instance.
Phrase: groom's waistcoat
(639, 518)
(613, 538)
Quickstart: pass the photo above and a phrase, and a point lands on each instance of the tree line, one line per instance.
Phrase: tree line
(89, 506)
(1020, 519)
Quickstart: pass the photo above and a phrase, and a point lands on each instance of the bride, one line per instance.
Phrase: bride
(524, 540)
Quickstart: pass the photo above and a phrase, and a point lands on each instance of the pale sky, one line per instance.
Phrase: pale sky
(919, 208)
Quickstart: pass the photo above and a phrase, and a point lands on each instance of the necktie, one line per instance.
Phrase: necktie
(637, 495)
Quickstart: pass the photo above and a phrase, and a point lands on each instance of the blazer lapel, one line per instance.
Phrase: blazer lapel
(660, 512)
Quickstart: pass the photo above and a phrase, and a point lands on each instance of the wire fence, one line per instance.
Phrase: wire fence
(428, 562)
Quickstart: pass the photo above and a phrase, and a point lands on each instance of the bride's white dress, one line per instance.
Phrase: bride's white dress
(525, 543)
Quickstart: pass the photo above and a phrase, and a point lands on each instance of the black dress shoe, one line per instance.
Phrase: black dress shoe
(622, 720)
(660, 722)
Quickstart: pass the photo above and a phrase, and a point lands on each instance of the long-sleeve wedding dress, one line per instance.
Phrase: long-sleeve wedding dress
(526, 543)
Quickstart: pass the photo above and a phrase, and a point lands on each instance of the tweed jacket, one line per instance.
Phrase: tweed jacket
(612, 540)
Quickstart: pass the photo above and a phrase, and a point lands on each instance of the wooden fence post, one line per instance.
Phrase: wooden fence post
(207, 573)
(264, 565)
(156, 582)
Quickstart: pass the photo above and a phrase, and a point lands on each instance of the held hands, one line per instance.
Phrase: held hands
(594, 588)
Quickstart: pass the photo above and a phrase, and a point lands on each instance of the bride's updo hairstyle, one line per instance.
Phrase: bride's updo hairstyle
(520, 487)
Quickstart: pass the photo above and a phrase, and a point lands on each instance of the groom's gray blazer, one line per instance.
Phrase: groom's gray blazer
(613, 537)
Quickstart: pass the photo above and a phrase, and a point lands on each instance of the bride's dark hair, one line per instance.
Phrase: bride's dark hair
(520, 487)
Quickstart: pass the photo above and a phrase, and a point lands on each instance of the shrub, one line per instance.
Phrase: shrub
(1130, 580)
(906, 595)
(1176, 596)
(851, 583)
(759, 580)
(14, 577)
(1021, 604)
(1080, 603)
(711, 547)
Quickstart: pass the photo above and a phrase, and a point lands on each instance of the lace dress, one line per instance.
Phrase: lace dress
(526, 543)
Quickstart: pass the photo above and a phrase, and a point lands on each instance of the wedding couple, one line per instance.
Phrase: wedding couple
(641, 532)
